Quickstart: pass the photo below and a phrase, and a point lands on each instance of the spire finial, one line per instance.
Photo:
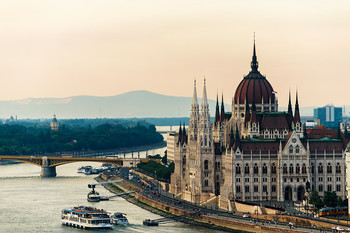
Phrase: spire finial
(254, 64)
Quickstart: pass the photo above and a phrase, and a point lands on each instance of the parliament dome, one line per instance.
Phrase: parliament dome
(254, 86)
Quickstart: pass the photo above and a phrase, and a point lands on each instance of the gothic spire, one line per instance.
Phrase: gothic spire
(290, 111)
(222, 119)
(205, 102)
(217, 114)
(297, 113)
(194, 101)
(254, 64)
(180, 134)
(184, 137)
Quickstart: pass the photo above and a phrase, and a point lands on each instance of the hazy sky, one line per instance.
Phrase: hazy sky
(80, 47)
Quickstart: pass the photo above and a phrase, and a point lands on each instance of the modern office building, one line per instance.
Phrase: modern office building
(329, 116)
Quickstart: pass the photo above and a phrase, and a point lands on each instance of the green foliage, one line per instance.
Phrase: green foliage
(315, 200)
(157, 169)
(330, 199)
(165, 158)
(19, 139)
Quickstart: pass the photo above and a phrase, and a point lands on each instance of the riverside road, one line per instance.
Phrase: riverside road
(154, 192)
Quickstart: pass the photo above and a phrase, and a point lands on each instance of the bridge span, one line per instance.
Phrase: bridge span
(48, 164)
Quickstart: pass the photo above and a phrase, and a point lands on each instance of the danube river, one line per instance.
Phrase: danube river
(29, 203)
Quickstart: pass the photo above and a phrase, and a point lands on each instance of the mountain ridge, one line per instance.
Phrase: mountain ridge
(139, 103)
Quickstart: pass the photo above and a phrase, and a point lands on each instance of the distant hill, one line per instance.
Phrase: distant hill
(128, 105)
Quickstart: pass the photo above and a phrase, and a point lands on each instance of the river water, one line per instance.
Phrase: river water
(29, 203)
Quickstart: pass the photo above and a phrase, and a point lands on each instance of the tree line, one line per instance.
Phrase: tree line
(330, 199)
(20, 139)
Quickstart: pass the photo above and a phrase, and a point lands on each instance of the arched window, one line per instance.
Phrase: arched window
(291, 169)
(273, 168)
(238, 189)
(290, 149)
(297, 169)
(206, 165)
(217, 177)
(297, 149)
(264, 168)
(256, 169)
(312, 168)
(338, 168)
(303, 170)
(238, 169)
(246, 168)
(285, 169)
(320, 168)
(206, 183)
(329, 168)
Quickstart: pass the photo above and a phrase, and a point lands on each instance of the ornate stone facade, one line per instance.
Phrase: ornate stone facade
(255, 152)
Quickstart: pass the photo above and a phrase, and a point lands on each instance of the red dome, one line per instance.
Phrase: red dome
(254, 86)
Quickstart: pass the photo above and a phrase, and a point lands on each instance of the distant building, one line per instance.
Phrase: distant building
(54, 124)
(329, 116)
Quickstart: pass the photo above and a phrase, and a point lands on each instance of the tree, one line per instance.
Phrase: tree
(330, 199)
(165, 158)
(315, 200)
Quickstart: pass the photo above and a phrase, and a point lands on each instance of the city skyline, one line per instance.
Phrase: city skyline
(62, 49)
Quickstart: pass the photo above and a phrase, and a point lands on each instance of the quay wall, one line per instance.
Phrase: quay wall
(253, 209)
(237, 226)
(211, 220)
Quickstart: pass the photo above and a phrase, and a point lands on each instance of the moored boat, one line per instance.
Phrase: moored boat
(149, 222)
(86, 217)
(93, 196)
(119, 219)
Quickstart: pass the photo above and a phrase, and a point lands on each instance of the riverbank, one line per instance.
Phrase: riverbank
(193, 216)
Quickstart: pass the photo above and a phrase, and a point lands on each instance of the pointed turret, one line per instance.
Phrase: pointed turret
(290, 111)
(194, 100)
(194, 118)
(184, 136)
(217, 114)
(254, 64)
(297, 113)
(180, 135)
(222, 114)
(204, 100)
(205, 126)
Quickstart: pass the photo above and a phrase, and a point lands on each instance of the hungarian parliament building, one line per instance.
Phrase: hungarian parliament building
(254, 152)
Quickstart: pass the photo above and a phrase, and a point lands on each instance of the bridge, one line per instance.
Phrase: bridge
(48, 164)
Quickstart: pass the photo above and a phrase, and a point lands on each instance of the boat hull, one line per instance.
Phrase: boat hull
(86, 226)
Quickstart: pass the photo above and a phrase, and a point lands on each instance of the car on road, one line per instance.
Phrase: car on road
(245, 216)
(314, 226)
(339, 229)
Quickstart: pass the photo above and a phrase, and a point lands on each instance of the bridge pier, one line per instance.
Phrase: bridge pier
(48, 172)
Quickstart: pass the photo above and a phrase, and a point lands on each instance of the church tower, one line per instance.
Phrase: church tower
(54, 124)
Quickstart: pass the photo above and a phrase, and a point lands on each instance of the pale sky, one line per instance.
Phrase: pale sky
(83, 47)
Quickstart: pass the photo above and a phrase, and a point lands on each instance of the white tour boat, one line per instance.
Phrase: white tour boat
(86, 217)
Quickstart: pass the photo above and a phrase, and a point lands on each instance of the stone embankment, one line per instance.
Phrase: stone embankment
(213, 222)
